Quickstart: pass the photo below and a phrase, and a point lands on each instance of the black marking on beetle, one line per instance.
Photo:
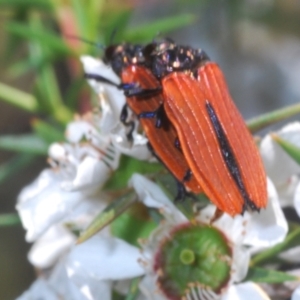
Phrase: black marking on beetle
(188, 175)
(229, 158)
(177, 144)
(160, 117)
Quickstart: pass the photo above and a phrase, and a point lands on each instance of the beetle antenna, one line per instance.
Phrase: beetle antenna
(112, 36)
(98, 45)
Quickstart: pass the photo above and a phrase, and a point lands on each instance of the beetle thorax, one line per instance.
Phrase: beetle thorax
(170, 57)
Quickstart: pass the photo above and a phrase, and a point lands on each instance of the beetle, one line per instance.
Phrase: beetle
(215, 141)
(128, 61)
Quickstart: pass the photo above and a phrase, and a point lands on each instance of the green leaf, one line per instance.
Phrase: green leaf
(50, 97)
(292, 150)
(74, 91)
(9, 220)
(269, 276)
(88, 15)
(133, 224)
(47, 132)
(14, 165)
(46, 83)
(79, 8)
(111, 212)
(35, 4)
(146, 33)
(116, 26)
(133, 292)
(45, 37)
(18, 98)
(291, 240)
(20, 68)
(27, 143)
(128, 166)
(273, 117)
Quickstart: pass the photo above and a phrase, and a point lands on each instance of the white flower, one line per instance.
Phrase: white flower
(244, 234)
(89, 271)
(112, 101)
(281, 168)
(284, 171)
(40, 289)
(78, 173)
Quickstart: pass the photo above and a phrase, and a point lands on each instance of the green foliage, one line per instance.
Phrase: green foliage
(128, 166)
(292, 150)
(14, 165)
(108, 215)
(26, 143)
(291, 240)
(268, 276)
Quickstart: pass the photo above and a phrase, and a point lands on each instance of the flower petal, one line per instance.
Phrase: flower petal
(272, 153)
(149, 288)
(44, 203)
(153, 196)
(297, 199)
(40, 289)
(78, 130)
(105, 258)
(269, 227)
(245, 291)
(91, 175)
(240, 263)
(136, 148)
(86, 289)
(53, 244)
(296, 294)
(112, 99)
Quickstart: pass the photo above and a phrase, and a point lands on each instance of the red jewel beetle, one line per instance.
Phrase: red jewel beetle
(215, 141)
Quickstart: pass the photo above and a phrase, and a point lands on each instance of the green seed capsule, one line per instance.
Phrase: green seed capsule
(193, 255)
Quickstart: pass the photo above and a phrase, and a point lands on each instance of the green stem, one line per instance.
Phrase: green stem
(275, 116)
(11, 219)
(18, 98)
(134, 289)
(291, 240)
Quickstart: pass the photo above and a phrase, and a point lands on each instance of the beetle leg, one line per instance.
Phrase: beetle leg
(187, 175)
(100, 78)
(217, 215)
(123, 119)
(182, 193)
(147, 115)
(158, 114)
(131, 90)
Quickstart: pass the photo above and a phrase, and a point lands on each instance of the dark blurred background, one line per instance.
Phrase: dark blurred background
(256, 43)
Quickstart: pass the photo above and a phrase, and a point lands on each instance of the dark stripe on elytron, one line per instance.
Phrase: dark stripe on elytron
(229, 158)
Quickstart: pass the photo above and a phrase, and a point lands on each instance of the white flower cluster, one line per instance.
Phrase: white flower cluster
(65, 198)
